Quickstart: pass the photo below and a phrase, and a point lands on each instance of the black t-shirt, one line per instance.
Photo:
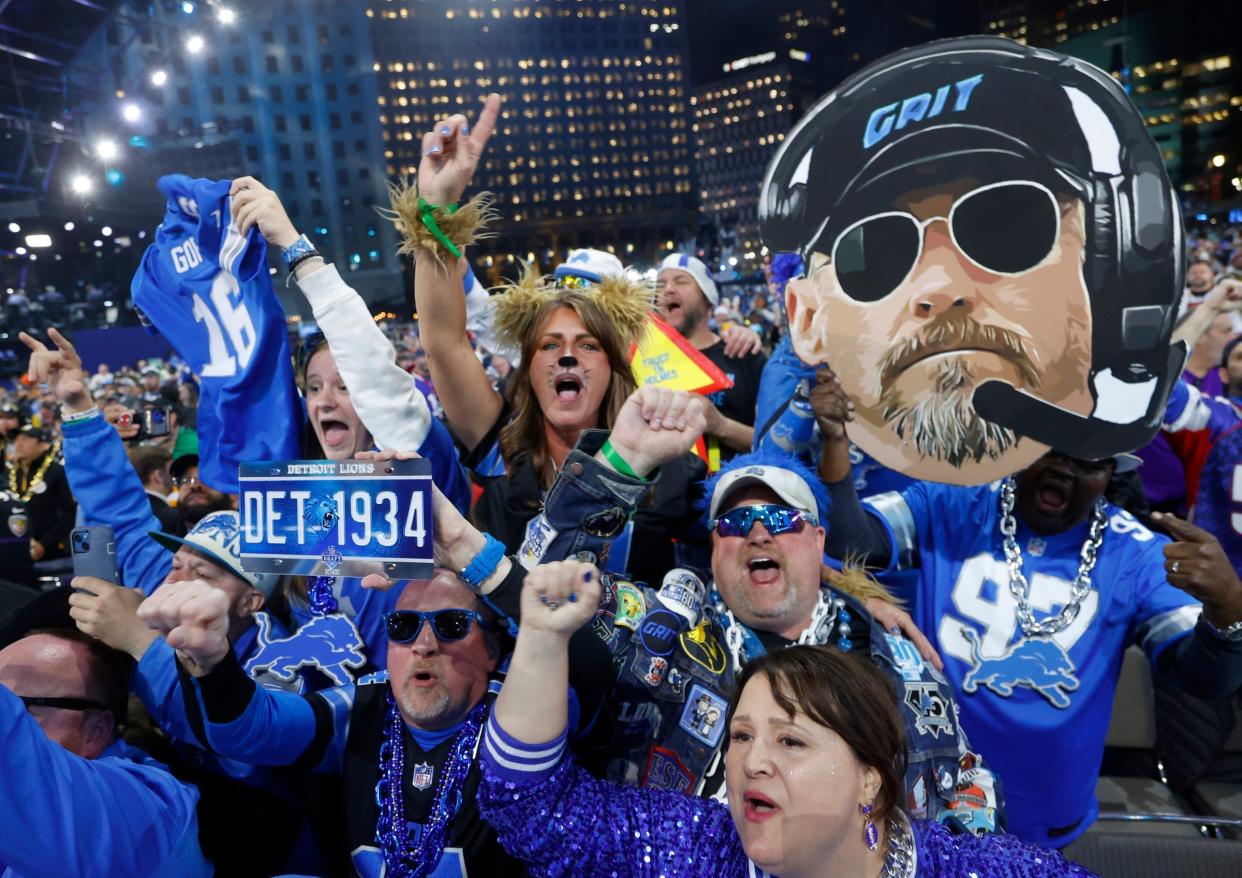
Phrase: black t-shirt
(739, 401)
(470, 840)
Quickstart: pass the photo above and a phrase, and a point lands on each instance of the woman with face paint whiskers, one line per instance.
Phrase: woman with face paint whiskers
(573, 333)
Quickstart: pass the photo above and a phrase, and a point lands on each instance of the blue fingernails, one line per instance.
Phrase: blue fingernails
(446, 131)
(543, 598)
(465, 129)
(573, 597)
(586, 577)
(434, 150)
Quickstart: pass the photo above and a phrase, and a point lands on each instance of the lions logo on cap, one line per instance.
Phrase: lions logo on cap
(221, 527)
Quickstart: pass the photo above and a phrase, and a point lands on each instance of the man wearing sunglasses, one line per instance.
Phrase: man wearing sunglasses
(404, 742)
(993, 255)
(932, 290)
(677, 650)
(75, 799)
(1032, 588)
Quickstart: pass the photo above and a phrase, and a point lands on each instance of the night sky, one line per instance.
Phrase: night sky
(721, 30)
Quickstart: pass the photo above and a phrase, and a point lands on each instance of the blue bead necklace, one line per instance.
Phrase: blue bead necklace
(319, 594)
(403, 857)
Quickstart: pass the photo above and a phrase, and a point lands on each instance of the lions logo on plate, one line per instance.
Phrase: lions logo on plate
(320, 514)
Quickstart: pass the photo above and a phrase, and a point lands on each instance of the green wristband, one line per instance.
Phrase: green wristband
(427, 211)
(618, 462)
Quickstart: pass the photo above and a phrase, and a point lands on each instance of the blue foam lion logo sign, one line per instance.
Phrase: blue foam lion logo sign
(1037, 662)
(329, 643)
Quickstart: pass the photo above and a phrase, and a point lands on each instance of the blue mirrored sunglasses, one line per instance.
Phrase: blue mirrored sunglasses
(450, 625)
(776, 520)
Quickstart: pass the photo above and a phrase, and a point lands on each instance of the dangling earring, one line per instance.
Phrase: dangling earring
(871, 835)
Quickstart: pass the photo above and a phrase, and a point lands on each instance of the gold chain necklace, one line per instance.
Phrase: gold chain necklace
(35, 480)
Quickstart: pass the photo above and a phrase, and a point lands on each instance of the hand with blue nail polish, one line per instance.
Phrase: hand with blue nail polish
(451, 153)
(559, 598)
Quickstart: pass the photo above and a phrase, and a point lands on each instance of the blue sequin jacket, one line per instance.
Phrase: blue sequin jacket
(564, 822)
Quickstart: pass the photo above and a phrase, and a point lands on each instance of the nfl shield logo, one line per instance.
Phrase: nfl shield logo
(422, 776)
(19, 524)
(332, 559)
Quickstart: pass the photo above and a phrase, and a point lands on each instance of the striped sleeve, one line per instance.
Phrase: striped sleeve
(516, 761)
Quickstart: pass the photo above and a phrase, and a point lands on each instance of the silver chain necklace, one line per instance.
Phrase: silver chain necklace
(901, 858)
(1018, 585)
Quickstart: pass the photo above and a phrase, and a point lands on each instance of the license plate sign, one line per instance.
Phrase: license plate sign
(337, 518)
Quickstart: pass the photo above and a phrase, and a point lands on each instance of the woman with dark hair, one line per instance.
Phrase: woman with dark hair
(574, 333)
(814, 774)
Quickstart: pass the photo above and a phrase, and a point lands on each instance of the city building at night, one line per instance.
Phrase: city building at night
(594, 147)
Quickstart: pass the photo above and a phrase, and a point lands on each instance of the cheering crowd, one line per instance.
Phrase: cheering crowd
(666, 633)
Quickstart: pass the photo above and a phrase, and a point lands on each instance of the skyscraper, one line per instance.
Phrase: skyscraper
(739, 120)
(281, 90)
(594, 146)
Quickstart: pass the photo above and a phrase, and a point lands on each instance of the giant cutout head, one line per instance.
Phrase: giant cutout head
(994, 258)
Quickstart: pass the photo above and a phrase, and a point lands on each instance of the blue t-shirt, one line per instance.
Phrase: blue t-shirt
(1038, 709)
(207, 289)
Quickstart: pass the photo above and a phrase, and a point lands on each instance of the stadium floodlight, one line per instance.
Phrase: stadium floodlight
(159, 77)
(81, 184)
(14, 228)
(131, 113)
(224, 15)
(38, 241)
(194, 44)
(106, 150)
(69, 226)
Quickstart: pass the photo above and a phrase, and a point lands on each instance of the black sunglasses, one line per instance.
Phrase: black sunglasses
(404, 626)
(62, 703)
(1004, 228)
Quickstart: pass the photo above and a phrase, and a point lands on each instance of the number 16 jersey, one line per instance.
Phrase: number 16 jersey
(206, 288)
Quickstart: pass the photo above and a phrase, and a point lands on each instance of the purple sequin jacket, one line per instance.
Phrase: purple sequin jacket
(564, 822)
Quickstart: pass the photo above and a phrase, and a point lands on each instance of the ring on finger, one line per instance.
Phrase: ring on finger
(1175, 567)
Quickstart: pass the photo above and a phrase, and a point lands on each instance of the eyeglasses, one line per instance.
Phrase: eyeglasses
(776, 520)
(62, 703)
(185, 481)
(1004, 228)
(449, 626)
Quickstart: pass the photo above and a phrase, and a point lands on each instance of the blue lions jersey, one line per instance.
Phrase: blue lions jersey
(1037, 708)
(207, 289)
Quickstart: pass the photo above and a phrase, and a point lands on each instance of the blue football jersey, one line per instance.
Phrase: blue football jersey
(207, 289)
(1219, 507)
(1037, 708)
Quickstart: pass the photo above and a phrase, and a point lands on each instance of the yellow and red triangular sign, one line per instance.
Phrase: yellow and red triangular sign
(664, 357)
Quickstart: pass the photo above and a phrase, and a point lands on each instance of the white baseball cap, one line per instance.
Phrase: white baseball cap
(785, 484)
(218, 536)
(697, 270)
(592, 265)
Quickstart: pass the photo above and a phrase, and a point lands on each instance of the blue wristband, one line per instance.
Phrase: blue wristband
(300, 248)
(484, 563)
